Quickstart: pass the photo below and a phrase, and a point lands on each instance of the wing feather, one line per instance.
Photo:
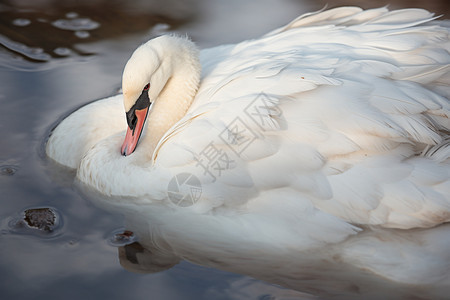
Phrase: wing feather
(337, 118)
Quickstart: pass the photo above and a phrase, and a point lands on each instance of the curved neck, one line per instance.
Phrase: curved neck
(181, 67)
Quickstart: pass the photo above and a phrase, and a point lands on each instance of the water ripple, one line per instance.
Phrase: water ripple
(8, 170)
(53, 32)
(33, 53)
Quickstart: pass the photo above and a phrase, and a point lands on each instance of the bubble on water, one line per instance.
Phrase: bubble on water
(35, 50)
(71, 15)
(72, 243)
(62, 51)
(82, 34)
(160, 28)
(76, 24)
(21, 22)
(35, 53)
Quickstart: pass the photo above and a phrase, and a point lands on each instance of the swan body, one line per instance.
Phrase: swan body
(329, 133)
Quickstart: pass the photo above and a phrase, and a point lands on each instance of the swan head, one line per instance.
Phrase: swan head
(146, 75)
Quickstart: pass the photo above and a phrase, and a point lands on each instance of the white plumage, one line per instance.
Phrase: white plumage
(334, 123)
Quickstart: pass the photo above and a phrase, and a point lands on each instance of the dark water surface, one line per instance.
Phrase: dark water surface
(58, 55)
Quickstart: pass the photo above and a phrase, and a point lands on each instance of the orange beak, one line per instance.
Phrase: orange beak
(134, 132)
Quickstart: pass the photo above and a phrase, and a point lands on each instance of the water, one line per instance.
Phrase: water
(57, 56)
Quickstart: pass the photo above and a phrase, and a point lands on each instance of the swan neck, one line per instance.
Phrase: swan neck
(182, 67)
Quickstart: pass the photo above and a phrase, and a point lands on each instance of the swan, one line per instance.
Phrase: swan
(329, 135)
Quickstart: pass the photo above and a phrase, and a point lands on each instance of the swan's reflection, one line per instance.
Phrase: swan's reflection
(305, 272)
(166, 237)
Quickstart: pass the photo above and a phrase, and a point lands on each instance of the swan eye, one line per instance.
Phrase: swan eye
(146, 87)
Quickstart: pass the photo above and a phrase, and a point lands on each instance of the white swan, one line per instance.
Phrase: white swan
(303, 139)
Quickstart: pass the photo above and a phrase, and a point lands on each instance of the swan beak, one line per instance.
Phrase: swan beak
(134, 131)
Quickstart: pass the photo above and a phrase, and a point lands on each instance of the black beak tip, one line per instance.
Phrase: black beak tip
(124, 151)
